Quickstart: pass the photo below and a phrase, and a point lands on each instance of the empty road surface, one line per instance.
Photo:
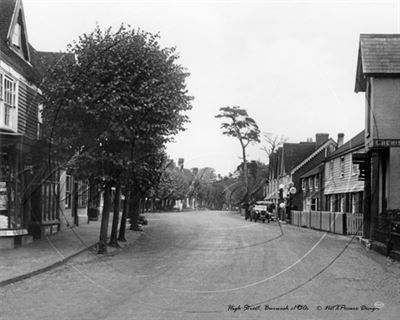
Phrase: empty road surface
(215, 265)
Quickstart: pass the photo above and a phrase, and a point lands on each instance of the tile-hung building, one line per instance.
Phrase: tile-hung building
(378, 75)
(28, 189)
(343, 187)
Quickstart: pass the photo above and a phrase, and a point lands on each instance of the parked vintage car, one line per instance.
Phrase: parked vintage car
(262, 210)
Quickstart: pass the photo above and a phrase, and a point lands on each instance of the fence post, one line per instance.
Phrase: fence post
(334, 222)
(320, 220)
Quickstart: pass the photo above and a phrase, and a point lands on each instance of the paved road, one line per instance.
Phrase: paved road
(206, 265)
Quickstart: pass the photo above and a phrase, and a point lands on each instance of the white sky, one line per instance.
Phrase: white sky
(291, 64)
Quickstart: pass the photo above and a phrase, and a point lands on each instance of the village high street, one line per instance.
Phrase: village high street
(215, 265)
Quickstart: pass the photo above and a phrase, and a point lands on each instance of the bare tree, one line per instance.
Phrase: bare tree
(272, 142)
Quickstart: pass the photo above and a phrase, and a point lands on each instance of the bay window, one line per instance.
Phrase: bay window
(7, 102)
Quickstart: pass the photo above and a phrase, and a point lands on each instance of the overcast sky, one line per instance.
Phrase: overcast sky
(290, 64)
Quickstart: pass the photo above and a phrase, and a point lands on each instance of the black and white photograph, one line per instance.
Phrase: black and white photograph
(199, 159)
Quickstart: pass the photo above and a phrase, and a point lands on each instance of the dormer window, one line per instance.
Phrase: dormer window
(16, 37)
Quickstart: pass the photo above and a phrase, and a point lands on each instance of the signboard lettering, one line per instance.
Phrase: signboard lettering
(387, 142)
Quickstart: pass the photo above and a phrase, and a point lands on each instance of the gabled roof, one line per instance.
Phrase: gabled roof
(8, 14)
(314, 171)
(294, 153)
(356, 143)
(378, 54)
(325, 145)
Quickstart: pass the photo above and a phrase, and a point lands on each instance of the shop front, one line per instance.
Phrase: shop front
(43, 193)
(13, 207)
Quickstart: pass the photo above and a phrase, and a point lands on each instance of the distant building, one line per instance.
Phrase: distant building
(281, 162)
(301, 200)
(289, 163)
(343, 189)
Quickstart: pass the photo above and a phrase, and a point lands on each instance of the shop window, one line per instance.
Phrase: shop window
(332, 203)
(307, 203)
(357, 202)
(342, 203)
(337, 203)
(82, 194)
(10, 185)
(4, 174)
(314, 204)
(327, 203)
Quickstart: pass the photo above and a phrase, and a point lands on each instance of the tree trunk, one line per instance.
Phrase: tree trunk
(114, 229)
(134, 213)
(104, 220)
(122, 228)
(152, 204)
(246, 178)
(74, 208)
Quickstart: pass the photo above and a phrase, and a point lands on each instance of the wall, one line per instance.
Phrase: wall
(337, 184)
(385, 98)
(394, 179)
(27, 111)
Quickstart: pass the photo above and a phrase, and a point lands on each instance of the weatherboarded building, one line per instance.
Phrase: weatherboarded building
(29, 179)
(378, 75)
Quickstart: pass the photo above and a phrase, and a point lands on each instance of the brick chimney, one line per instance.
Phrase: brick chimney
(340, 138)
(320, 138)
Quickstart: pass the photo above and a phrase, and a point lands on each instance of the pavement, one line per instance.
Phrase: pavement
(42, 255)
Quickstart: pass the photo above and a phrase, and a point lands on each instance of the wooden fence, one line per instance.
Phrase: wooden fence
(335, 222)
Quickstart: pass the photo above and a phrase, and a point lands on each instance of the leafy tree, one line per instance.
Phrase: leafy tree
(143, 175)
(174, 185)
(239, 125)
(201, 185)
(123, 88)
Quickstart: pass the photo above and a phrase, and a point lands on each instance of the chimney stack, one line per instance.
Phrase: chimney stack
(320, 138)
(340, 138)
